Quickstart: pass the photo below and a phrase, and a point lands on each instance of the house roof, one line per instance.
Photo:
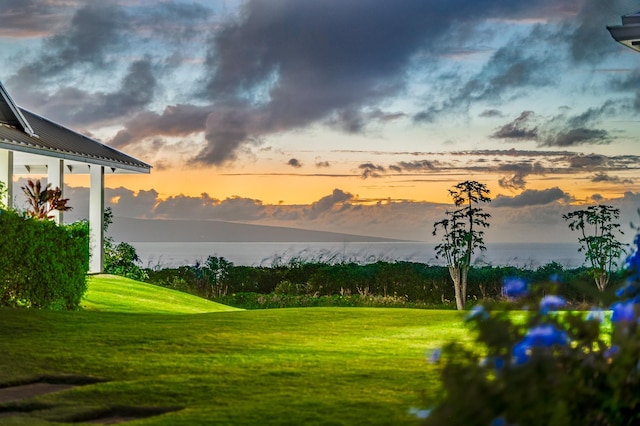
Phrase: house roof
(24, 131)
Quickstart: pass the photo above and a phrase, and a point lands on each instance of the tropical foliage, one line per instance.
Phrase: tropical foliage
(42, 201)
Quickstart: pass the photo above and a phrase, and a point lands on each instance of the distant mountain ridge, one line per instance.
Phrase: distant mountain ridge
(165, 230)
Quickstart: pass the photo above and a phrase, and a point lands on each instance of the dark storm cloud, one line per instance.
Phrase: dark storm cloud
(588, 161)
(87, 40)
(509, 69)
(531, 197)
(419, 165)
(175, 120)
(371, 170)
(136, 91)
(589, 42)
(603, 177)
(576, 29)
(561, 130)
(579, 136)
(294, 163)
(520, 171)
(522, 128)
(314, 59)
(72, 106)
(178, 22)
(354, 121)
(26, 18)
(92, 31)
(488, 113)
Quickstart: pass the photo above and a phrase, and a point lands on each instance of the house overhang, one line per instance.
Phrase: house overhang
(29, 159)
(628, 33)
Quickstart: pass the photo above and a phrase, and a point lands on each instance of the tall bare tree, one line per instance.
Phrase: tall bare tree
(463, 233)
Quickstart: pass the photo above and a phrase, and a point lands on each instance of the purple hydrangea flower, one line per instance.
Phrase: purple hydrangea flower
(499, 421)
(546, 335)
(633, 261)
(596, 314)
(629, 290)
(540, 336)
(421, 414)
(521, 353)
(434, 357)
(477, 312)
(555, 278)
(623, 311)
(612, 351)
(514, 287)
(551, 303)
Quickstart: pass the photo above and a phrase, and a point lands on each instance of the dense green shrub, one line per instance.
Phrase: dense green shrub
(412, 281)
(122, 259)
(42, 265)
(275, 300)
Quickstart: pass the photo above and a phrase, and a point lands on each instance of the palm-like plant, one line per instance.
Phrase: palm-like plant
(43, 201)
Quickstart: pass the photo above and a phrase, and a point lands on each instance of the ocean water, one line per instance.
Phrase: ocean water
(171, 254)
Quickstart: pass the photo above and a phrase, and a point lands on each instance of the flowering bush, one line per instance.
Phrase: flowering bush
(535, 364)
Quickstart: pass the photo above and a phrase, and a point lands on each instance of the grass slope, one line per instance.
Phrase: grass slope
(312, 366)
(110, 293)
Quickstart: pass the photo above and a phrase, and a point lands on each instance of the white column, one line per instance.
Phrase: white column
(55, 176)
(96, 219)
(6, 176)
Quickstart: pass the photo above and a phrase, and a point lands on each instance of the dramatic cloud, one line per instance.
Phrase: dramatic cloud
(26, 18)
(531, 197)
(175, 120)
(518, 129)
(580, 136)
(294, 163)
(590, 161)
(419, 165)
(371, 170)
(603, 177)
(325, 204)
(93, 30)
(343, 58)
(520, 172)
(488, 113)
(561, 130)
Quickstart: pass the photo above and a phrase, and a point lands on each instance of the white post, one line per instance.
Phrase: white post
(6, 176)
(96, 219)
(55, 177)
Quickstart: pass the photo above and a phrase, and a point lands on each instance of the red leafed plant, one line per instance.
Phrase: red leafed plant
(44, 201)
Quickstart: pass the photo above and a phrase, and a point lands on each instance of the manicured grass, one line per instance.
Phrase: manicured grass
(312, 366)
(110, 293)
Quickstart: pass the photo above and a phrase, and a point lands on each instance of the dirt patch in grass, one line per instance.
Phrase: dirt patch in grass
(116, 415)
(17, 393)
(14, 401)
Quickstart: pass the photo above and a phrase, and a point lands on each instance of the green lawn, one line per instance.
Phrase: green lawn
(110, 293)
(312, 366)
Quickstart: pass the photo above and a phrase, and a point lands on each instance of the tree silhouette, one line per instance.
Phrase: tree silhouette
(463, 233)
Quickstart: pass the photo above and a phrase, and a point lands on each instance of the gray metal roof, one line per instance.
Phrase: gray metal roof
(54, 140)
(629, 32)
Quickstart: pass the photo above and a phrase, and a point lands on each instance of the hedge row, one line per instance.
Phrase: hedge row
(411, 281)
(42, 265)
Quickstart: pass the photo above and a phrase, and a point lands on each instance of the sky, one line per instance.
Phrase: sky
(341, 116)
